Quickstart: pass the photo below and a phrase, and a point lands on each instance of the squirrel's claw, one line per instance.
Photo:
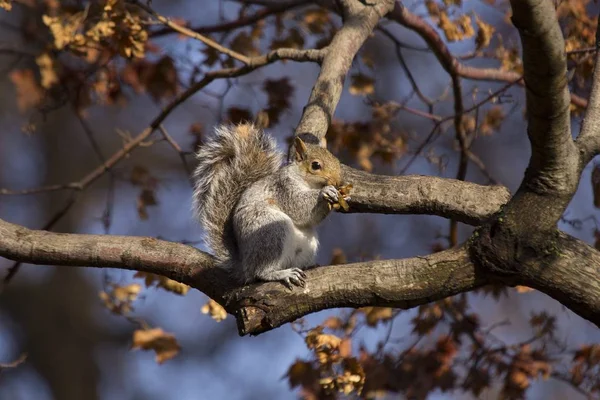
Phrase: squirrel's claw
(293, 276)
(330, 194)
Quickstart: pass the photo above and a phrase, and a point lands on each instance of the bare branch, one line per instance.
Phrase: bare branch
(588, 140)
(244, 21)
(430, 195)
(392, 283)
(567, 270)
(359, 22)
(554, 165)
(194, 35)
(259, 307)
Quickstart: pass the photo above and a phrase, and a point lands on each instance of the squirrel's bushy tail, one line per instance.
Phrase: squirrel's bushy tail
(235, 158)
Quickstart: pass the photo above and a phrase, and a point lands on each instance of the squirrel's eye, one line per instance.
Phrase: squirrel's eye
(315, 165)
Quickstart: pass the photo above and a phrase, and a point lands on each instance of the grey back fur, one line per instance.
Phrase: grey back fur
(232, 160)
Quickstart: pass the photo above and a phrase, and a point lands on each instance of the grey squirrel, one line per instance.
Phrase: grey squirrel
(259, 216)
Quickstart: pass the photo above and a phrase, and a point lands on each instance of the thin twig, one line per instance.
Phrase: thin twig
(177, 148)
(194, 35)
(239, 23)
(21, 359)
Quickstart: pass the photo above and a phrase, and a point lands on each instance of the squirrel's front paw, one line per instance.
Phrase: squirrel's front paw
(330, 194)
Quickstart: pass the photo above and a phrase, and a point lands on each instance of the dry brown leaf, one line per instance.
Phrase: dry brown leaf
(317, 340)
(146, 199)
(64, 29)
(244, 44)
(118, 300)
(374, 315)
(316, 20)
(215, 310)
(279, 93)
(353, 377)
(509, 58)
(492, 120)
(361, 85)
(433, 8)
(164, 344)
(523, 289)
(466, 25)
(238, 115)
(363, 155)
(47, 68)
(485, 32)
(346, 347)
(333, 323)
(294, 40)
(459, 29)
(302, 373)
(162, 282)
(29, 92)
(338, 257)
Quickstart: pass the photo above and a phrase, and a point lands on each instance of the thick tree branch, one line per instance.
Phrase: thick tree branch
(564, 268)
(259, 307)
(393, 283)
(359, 22)
(522, 246)
(588, 140)
(553, 172)
(464, 201)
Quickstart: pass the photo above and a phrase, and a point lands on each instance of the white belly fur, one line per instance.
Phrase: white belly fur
(300, 248)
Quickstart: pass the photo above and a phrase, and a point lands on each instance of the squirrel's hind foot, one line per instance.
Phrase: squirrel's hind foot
(288, 277)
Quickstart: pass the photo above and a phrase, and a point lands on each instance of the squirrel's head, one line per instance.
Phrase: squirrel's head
(320, 167)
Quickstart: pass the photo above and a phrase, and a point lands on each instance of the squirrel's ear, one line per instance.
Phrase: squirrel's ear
(300, 152)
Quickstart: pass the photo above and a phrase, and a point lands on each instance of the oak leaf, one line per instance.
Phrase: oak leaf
(47, 68)
(163, 282)
(164, 344)
(119, 298)
(29, 92)
(361, 85)
(215, 310)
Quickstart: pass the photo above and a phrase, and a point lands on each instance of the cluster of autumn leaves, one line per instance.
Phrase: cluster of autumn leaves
(119, 300)
(455, 353)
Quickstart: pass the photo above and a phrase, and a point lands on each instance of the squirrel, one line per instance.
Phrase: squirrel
(259, 216)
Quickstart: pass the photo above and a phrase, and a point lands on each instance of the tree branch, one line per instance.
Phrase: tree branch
(259, 307)
(392, 283)
(430, 195)
(241, 22)
(553, 172)
(588, 140)
(359, 22)
(194, 35)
